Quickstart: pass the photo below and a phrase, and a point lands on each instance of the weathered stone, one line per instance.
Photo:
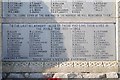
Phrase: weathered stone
(60, 75)
(48, 75)
(102, 76)
(112, 75)
(74, 75)
(26, 75)
(15, 75)
(37, 75)
(118, 74)
(93, 75)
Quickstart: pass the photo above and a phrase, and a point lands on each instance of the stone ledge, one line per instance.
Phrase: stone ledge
(114, 75)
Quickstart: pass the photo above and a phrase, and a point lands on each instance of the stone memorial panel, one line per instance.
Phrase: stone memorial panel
(59, 42)
(77, 10)
(63, 36)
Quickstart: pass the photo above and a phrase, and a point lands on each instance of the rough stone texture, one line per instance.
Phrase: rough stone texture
(67, 75)
(74, 75)
(86, 75)
(99, 76)
(48, 75)
(60, 75)
(37, 75)
(94, 75)
(102, 76)
(12, 75)
(64, 67)
(112, 75)
(118, 75)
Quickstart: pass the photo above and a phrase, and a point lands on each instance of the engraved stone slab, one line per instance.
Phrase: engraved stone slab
(58, 42)
(47, 36)
(79, 9)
